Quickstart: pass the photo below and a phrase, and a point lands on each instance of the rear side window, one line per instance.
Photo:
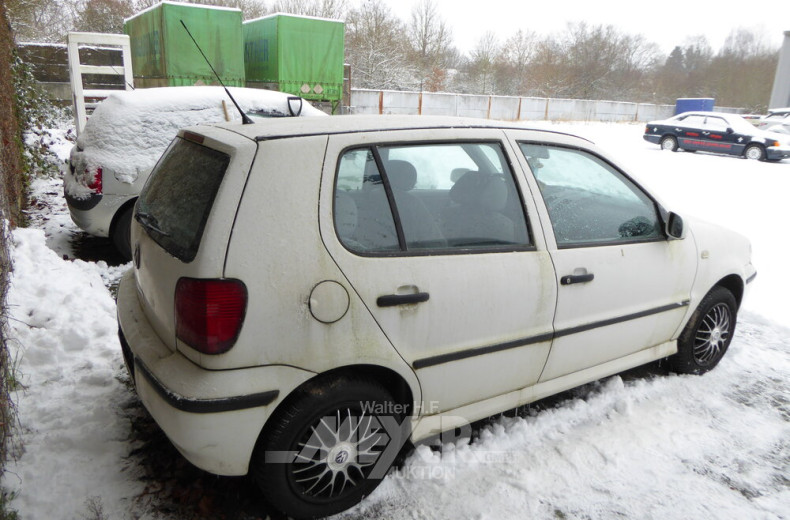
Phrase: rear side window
(428, 198)
(175, 203)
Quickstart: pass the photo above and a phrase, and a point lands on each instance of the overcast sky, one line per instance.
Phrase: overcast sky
(666, 23)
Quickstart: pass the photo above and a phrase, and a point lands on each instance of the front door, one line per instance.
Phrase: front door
(720, 137)
(433, 235)
(623, 286)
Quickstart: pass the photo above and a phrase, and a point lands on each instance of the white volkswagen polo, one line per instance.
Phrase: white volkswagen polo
(310, 295)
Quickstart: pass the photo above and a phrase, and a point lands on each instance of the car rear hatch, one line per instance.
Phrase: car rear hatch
(182, 225)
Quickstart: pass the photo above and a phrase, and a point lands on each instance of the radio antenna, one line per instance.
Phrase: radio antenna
(245, 119)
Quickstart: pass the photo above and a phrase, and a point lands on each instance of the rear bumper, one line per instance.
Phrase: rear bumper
(95, 214)
(212, 417)
(652, 138)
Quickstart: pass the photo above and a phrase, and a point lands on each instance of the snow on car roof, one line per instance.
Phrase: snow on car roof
(129, 130)
(175, 99)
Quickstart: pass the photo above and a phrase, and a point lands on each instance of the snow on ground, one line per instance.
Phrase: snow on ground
(640, 445)
(66, 346)
(643, 446)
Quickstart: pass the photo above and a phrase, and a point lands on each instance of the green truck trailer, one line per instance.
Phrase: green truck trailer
(164, 55)
(300, 55)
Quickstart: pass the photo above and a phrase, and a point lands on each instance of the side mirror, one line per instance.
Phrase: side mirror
(294, 105)
(730, 130)
(675, 228)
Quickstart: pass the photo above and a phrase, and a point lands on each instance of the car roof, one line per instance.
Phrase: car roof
(279, 128)
(708, 113)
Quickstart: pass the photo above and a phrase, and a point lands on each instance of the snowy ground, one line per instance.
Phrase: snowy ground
(641, 445)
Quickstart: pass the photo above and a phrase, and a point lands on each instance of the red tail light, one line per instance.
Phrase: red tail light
(96, 181)
(209, 313)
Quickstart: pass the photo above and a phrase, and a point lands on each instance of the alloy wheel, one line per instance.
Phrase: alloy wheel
(712, 334)
(337, 453)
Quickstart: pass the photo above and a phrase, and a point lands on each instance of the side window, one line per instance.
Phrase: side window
(363, 218)
(447, 197)
(589, 201)
(716, 123)
(693, 121)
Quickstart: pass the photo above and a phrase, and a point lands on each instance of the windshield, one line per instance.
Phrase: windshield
(740, 125)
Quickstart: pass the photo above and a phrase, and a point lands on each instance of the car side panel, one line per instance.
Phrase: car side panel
(276, 249)
(488, 312)
(689, 137)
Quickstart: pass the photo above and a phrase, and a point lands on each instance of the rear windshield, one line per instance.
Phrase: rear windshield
(175, 203)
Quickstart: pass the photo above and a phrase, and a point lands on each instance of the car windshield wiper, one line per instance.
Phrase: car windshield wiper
(150, 223)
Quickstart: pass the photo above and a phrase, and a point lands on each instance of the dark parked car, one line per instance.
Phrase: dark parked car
(719, 133)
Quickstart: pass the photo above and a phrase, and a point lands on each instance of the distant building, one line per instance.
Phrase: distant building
(780, 95)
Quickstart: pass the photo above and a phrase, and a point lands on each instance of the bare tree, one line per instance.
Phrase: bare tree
(740, 74)
(431, 41)
(513, 63)
(595, 62)
(548, 72)
(104, 16)
(40, 20)
(482, 64)
(376, 48)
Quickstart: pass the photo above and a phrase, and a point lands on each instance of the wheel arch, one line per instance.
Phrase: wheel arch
(752, 144)
(120, 212)
(392, 381)
(672, 136)
(735, 285)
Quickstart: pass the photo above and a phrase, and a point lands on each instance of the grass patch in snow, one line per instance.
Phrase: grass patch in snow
(5, 512)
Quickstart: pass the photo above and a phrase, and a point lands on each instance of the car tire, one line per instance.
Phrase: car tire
(122, 233)
(344, 444)
(755, 152)
(708, 334)
(669, 142)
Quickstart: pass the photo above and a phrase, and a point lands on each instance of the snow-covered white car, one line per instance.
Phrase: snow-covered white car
(307, 297)
(128, 132)
(777, 120)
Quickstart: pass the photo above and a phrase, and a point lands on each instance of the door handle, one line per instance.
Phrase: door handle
(391, 300)
(570, 279)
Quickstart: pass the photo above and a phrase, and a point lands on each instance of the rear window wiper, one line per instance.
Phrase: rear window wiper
(150, 223)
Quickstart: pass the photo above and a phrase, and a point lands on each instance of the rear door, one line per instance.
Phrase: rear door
(718, 139)
(689, 131)
(438, 239)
